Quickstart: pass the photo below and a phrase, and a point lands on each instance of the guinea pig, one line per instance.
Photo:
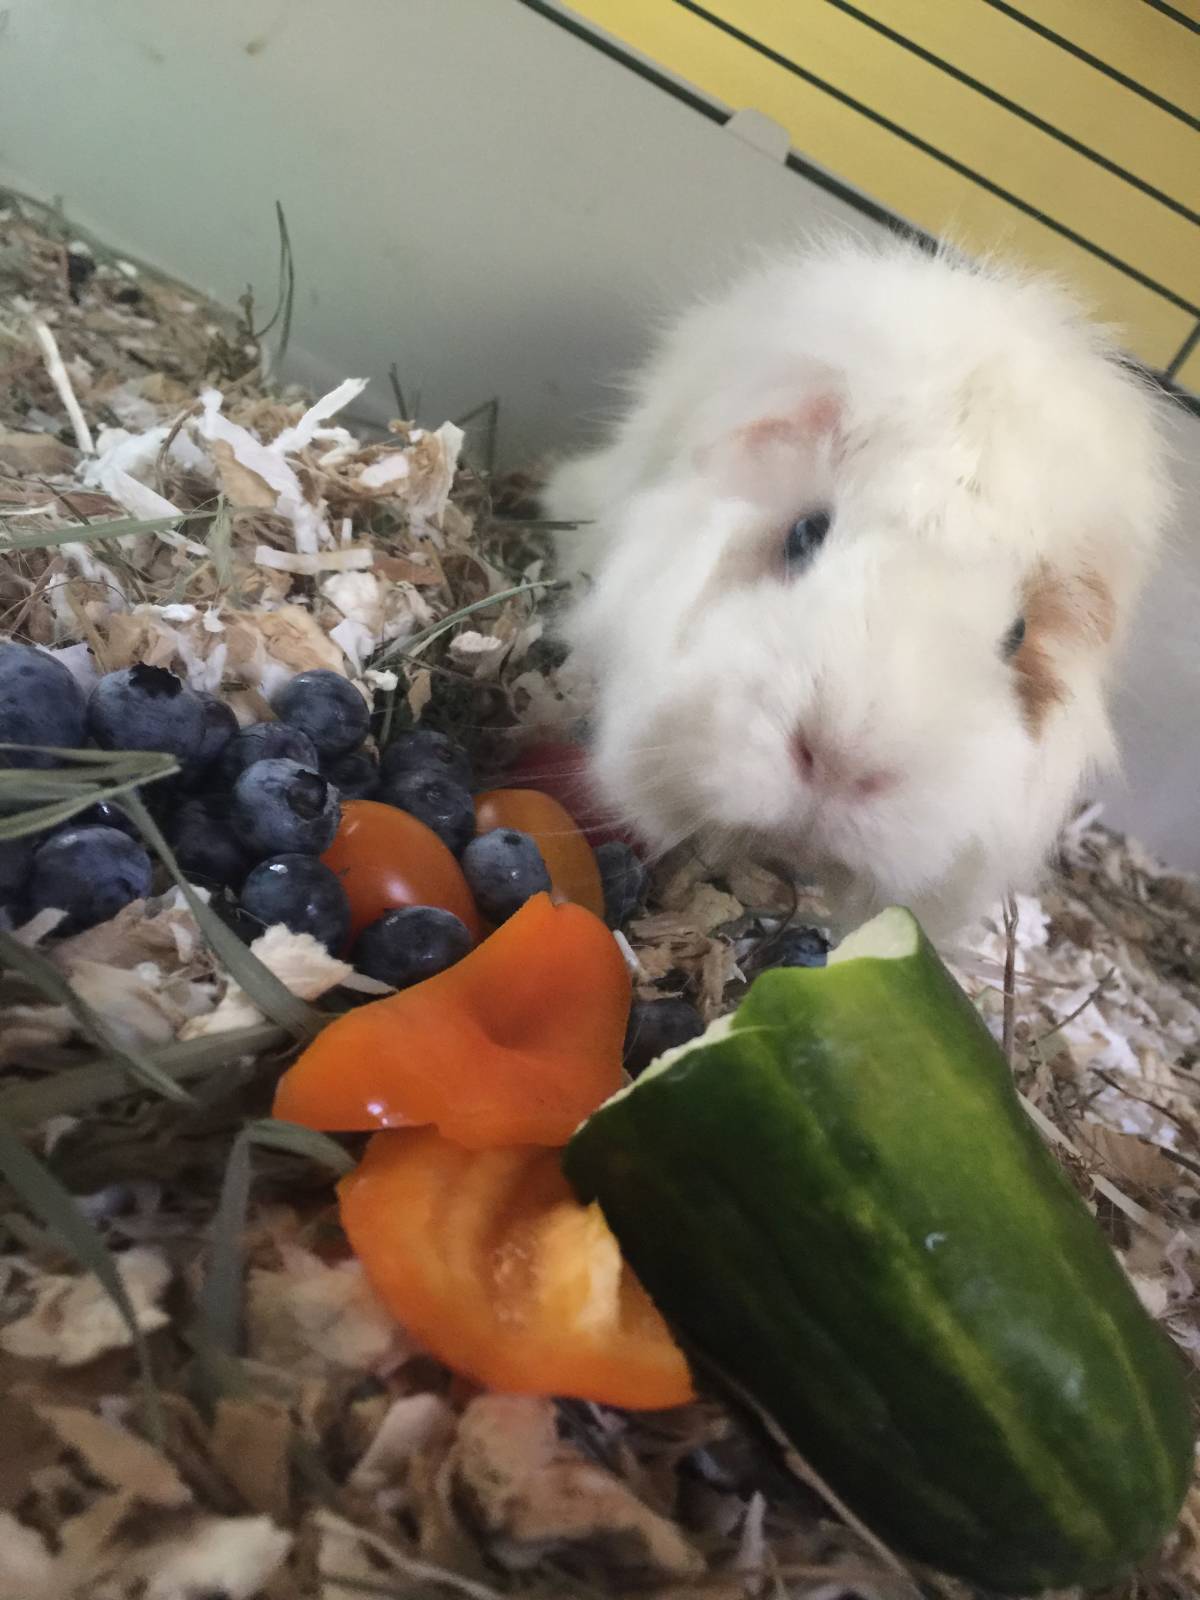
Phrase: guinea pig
(859, 556)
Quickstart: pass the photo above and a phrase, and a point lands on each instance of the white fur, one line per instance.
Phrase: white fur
(984, 428)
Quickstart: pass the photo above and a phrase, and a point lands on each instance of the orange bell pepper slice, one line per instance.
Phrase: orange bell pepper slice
(387, 859)
(516, 1044)
(568, 856)
(490, 1261)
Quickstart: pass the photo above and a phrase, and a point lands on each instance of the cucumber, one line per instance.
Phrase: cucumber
(837, 1199)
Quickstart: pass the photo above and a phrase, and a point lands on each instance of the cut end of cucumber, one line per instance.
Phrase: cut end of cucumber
(715, 1031)
(891, 936)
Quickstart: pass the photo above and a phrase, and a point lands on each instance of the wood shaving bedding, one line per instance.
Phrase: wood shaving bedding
(333, 1457)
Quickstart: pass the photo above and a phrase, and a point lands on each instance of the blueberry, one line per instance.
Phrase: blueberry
(220, 725)
(164, 797)
(355, 777)
(40, 704)
(16, 859)
(796, 947)
(206, 843)
(146, 708)
(441, 804)
(328, 708)
(425, 750)
(623, 878)
(280, 806)
(303, 894)
(406, 946)
(264, 741)
(89, 873)
(656, 1026)
(503, 868)
(104, 814)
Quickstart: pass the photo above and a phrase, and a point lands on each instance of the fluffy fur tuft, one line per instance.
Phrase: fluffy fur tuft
(984, 456)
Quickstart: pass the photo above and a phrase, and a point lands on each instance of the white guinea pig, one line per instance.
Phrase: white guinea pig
(860, 553)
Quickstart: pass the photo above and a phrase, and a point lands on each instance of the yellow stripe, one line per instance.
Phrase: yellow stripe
(1056, 86)
(1132, 37)
(915, 185)
(993, 142)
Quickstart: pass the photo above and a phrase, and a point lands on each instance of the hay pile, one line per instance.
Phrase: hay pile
(202, 1396)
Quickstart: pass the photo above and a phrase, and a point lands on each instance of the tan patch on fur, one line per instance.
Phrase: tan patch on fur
(1060, 613)
(1039, 688)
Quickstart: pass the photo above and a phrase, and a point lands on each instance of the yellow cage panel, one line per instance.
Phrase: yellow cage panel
(911, 135)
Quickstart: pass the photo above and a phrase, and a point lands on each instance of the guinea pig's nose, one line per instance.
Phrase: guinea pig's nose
(826, 765)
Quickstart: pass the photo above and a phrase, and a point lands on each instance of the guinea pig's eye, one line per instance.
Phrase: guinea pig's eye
(1013, 639)
(804, 539)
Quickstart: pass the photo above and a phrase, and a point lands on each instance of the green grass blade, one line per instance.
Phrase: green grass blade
(220, 1304)
(35, 798)
(220, 544)
(272, 997)
(221, 1298)
(118, 763)
(55, 1207)
(90, 532)
(298, 1141)
(78, 1089)
(63, 795)
(418, 641)
(53, 986)
(287, 289)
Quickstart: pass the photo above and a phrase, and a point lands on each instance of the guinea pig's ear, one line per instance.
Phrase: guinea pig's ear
(1067, 621)
(763, 458)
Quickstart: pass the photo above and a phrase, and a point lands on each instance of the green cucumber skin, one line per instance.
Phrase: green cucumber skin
(868, 1235)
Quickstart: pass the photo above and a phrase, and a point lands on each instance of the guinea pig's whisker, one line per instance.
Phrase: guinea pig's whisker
(708, 845)
(559, 833)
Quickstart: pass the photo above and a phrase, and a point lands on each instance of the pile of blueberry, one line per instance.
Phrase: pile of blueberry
(252, 810)
(248, 813)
